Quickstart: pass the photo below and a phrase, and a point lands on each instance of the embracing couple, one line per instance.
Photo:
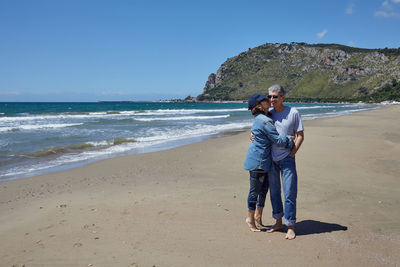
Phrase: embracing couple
(276, 137)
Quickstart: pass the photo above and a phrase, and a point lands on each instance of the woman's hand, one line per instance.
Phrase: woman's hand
(251, 136)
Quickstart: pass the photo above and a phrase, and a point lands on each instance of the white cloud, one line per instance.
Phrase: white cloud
(385, 14)
(322, 34)
(349, 9)
(388, 9)
(386, 4)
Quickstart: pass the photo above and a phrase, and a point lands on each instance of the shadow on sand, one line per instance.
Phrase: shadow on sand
(309, 227)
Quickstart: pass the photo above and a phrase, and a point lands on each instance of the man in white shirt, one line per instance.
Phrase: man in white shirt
(287, 122)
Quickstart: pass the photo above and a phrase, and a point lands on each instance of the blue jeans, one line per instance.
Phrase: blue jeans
(258, 189)
(287, 169)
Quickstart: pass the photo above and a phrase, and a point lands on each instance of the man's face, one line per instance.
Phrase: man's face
(276, 99)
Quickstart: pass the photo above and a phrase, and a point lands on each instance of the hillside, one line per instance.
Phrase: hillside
(319, 72)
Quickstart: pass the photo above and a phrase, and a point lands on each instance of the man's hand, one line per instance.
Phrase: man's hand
(251, 136)
(297, 143)
(293, 152)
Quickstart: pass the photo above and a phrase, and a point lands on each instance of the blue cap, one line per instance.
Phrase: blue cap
(255, 99)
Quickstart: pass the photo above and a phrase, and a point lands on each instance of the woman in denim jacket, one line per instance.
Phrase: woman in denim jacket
(258, 159)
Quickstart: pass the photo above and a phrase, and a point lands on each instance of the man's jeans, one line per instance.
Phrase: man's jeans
(287, 168)
(258, 189)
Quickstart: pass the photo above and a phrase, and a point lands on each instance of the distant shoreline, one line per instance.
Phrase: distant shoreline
(216, 101)
(173, 101)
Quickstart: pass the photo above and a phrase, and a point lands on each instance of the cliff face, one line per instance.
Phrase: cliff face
(305, 70)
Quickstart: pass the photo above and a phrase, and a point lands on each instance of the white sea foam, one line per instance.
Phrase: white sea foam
(314, 107)
(116, 114)
(184, 111)
(38, 127)
(56, 117)
(333, 114)
(183, 118)
(3, 143)
(198, 130)
(99, 143)
(330, 106)
(388, 102)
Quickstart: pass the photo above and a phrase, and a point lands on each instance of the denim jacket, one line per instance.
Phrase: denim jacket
(259, 153)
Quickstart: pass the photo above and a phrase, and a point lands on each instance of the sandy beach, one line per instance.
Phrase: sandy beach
(187, 206)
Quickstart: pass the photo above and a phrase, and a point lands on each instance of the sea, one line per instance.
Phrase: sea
(38, 138)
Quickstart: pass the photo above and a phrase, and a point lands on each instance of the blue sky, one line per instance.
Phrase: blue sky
(89, 50)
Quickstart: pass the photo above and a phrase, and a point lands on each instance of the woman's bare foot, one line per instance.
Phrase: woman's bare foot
(290, 235)
(259, 224)
(258, 218)
(252, 225)
(276, 227)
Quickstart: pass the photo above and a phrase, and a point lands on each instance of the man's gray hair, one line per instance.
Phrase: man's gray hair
(277, 88)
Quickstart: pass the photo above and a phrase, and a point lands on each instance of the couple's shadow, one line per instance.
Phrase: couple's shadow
(309, 227)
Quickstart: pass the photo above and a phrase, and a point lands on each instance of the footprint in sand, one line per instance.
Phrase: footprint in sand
(46, 228)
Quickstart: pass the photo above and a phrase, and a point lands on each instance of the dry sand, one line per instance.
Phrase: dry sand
(187, 206)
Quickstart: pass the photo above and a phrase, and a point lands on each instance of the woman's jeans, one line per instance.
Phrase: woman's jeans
(258, 189)
(287, 168)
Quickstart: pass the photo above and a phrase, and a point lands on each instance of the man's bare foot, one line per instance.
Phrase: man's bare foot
(290, 234)
(276, 227)
(252, 225)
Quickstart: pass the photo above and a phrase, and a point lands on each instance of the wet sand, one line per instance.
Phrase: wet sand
(187, 206)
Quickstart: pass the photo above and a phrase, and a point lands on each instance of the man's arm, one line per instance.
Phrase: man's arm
(297, 144)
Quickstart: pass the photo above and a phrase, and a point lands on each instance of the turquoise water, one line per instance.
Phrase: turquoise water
(37, 138)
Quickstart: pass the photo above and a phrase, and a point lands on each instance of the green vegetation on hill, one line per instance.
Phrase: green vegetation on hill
(318, 72)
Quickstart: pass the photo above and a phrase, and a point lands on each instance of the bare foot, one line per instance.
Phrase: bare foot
(252, 225)
(290, 235)
(276, 227)
(258, 223)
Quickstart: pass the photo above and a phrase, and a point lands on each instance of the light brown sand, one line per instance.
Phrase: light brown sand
(187, 206)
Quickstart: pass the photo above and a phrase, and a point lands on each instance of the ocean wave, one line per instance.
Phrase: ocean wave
(112, 114)
(334, 114)
(198, 130)
(3, 143)
(184, 111)
(96, 150)
(58, 150)
(331, 106)
(38, 127)
(51, 117)
(82, 146)
(314, 107)
(158, 138)
(184, 118)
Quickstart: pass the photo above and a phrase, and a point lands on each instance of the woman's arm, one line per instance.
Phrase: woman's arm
(274, 137)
